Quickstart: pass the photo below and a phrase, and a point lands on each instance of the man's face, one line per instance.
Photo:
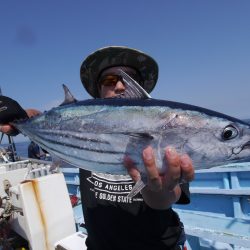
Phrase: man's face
(110, 83)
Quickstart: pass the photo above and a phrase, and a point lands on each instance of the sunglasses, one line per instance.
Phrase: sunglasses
(110, 80)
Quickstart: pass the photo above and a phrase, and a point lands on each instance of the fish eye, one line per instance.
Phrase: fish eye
(229, 132)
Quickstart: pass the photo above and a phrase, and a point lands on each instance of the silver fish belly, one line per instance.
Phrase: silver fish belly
(97, 134)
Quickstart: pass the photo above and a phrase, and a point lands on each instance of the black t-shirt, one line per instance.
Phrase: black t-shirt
(116, 222)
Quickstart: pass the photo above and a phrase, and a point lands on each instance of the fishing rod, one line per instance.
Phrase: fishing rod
(12, 148)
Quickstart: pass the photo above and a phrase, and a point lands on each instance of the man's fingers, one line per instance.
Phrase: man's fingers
(187, 168)
(6, 129)
(178, 168)
(149, 162)
(173, 172)
(154, 180)
(131, 168)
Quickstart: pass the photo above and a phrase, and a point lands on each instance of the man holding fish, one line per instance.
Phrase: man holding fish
(114, 218)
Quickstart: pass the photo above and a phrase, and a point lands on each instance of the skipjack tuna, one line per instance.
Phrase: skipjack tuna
(96, 134)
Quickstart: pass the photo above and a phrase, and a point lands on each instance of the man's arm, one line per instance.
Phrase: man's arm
(8, 129)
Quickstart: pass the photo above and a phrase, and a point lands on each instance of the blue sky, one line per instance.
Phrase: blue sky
(202, 47)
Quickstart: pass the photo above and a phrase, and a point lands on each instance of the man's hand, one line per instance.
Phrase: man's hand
(8, 129)
(32, 112)
(162, 190)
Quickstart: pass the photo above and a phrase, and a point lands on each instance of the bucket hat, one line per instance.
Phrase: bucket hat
(113, 56)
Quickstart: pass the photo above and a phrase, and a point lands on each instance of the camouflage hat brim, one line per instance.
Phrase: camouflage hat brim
(113, 56)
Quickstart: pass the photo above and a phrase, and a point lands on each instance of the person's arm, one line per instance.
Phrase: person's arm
(163, 190)
(9, 130)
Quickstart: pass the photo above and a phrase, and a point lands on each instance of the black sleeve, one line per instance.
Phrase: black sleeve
(10, 110)
(185, 194)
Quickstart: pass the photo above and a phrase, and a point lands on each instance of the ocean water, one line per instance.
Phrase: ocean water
(21, 148)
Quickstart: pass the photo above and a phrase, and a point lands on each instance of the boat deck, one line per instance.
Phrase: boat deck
(219, 212)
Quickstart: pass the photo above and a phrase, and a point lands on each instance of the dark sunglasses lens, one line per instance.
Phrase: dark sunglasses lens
(109, 80)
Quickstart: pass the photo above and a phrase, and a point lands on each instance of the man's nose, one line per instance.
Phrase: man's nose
(119, 87)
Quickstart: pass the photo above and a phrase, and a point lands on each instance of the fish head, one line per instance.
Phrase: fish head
(237, 136)
(219, 142)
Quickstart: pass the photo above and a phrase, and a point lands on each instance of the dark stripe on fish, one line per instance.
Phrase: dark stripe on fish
(69, 135)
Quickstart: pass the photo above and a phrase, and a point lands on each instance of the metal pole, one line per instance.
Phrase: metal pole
(13, 147)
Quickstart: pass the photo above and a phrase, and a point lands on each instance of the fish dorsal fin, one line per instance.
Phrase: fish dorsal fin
(69, 98)
(133, 88)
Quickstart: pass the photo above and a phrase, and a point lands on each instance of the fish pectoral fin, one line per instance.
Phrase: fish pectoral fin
(133, 88)
(139, 185)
